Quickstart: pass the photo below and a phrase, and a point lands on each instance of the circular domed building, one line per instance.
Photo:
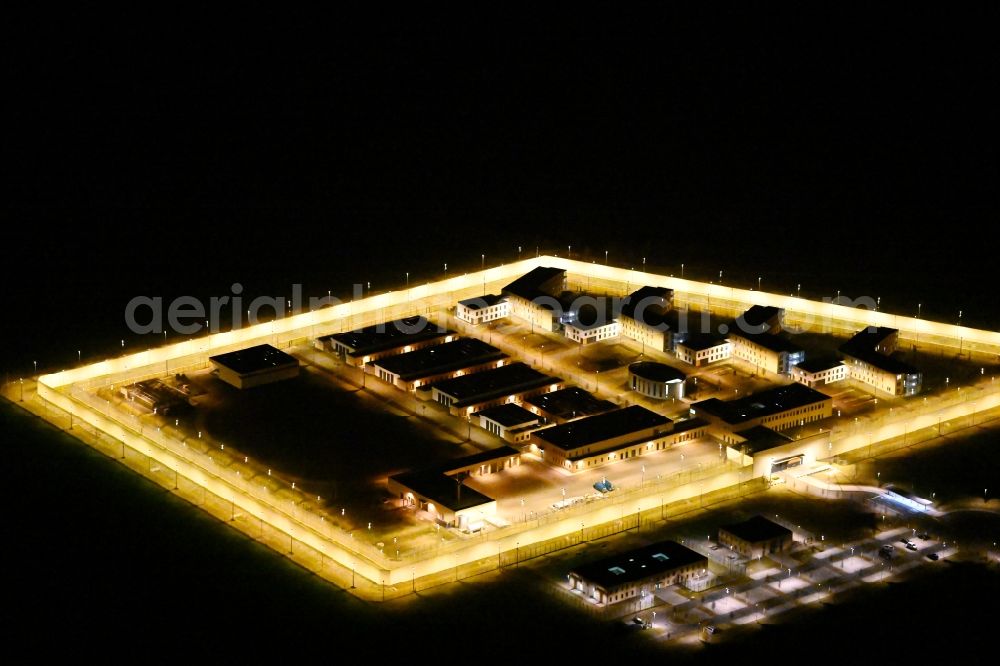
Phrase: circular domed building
(657, 380)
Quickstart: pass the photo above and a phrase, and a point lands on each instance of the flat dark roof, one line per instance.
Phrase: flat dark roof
(820, 364)
(758, 529)
(446, 357)
(760, 404)
(650, 292)
(477, 458)
(679, 426)
(441, 489)
(757, 317)
(885, 362)
(656, 372)
(389, 335)
(509, 415)
(870, 337)
(775, 343)
(570, 403)
(528, 286)
(490, 384)
(255, 359)
(702, 341)
(601, 427)
(648, 561)
(486, 301)
(761, 438)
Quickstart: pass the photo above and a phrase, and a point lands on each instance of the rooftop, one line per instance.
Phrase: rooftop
(435, 484)
(761, 438)
(530, 285)
(442, 358)
(820, 364)
(757, 318)
(702, 341)
(388, 335)
(260, 358)
(884, 362)
(775, 343)
(649, 303)
(509, 415)
(656, 372)
(569, 403)
(765, 403)
(602, 427)
(489, 384)
(649, 561)
(477, 302)
(870, 337)
(441, 489)
(758, 529)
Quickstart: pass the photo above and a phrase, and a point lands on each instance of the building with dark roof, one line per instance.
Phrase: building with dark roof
(756, 537)
(759, 319)
(567, 404)
(778, 408)
(647, 317)
(637, 573)
(880, 339)
(510, 422)
(534, 297)
(870, 360)
(386, 339)
(700, 349)
(418, 368)
(254, 366)
(819, 371)
(766, 351)
(470, 393)
(657, 380)
(440, 490)
(482, 309)
(606, 438)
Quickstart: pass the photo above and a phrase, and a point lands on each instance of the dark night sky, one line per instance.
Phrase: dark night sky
(139, 149)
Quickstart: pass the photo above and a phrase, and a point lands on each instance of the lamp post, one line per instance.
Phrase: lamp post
(798, 290)
(758, 283)
(605, 257)
(569, 251)
(482, 264)
(682, 271)
(919, 305)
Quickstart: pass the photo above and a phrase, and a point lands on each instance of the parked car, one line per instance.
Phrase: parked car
(933, 557)
(924, 535)
(911, 546)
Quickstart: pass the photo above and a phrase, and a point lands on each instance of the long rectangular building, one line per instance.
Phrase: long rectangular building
(371, 343)
(418, 368)
(605, 438)
(470, 393)
(778, 408)
(638, 572)
(567, 404)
